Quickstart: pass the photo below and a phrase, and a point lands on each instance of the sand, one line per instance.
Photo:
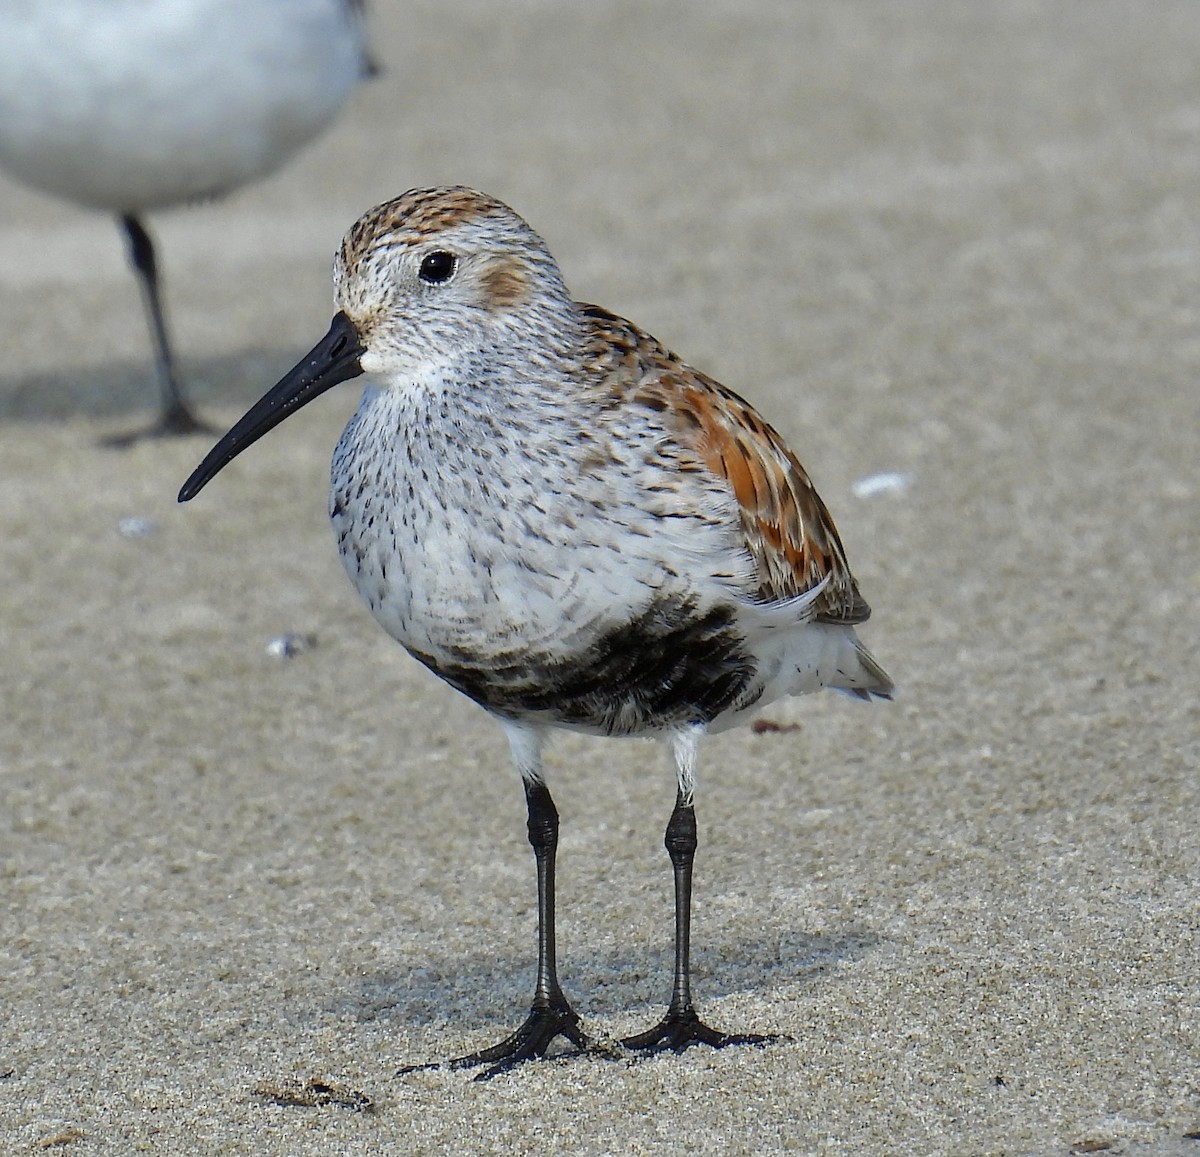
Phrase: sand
(952, 241)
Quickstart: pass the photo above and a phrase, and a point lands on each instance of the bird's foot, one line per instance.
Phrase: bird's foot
(543, 1025)
(176, 422)
(683, 1027)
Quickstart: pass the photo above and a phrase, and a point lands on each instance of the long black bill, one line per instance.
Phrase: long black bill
(332, 360)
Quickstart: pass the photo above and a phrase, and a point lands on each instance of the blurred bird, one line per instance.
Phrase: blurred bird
(133, 105)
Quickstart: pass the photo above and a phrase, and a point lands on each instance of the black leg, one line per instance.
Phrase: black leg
(175, 418)
(682, 1025)
(551, 1015)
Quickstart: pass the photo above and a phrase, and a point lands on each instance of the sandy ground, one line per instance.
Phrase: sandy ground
(955, 241)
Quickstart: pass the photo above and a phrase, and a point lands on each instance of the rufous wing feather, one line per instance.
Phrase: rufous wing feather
(789, 533)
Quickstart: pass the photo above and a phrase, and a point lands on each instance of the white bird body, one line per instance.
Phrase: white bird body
(131, 105)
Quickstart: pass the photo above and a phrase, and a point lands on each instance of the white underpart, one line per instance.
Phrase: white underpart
(525, 742)
(685, 743)
(128, 105)
(509, 544)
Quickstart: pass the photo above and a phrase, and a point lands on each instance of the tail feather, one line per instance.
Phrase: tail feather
(881, 685)
(869, 680)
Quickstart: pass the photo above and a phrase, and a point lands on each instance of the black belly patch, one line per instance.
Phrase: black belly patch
(668, 667)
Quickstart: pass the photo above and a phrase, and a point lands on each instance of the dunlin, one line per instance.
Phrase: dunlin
(568, 524)
(133, 105)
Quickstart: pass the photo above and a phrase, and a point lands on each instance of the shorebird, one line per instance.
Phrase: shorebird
(567, 523)
(133, 105)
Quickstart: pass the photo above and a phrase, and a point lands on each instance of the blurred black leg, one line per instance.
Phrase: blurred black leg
(175, 417)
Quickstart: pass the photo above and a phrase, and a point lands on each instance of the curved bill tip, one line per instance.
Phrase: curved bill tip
(334, 359)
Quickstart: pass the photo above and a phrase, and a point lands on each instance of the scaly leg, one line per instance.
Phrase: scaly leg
(682, 1026)
(551, 1015)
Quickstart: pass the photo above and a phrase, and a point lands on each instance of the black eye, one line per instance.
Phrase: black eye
(437, 267)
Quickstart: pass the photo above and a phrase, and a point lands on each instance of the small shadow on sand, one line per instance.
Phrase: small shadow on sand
(484, 989)
(128, 391)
